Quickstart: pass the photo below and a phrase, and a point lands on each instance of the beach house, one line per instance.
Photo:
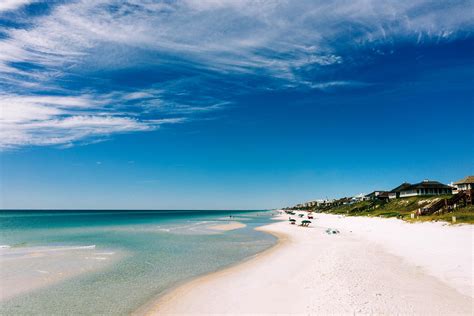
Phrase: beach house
(426, 187)
(359, 197)
(466, 184)
(377, 195)
(395, 193)
(324, 203)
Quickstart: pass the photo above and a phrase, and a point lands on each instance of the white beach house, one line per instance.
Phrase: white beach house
(466, 184)
(395, 193)
(426, 187)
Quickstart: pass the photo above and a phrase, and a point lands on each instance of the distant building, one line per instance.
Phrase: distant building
(395, 193)
(426, 187)
(384, 196)
(466, 184)
(359, 197)
(374, 195)
(345, 201)
(324, 203)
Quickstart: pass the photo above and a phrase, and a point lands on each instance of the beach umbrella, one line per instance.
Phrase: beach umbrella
(292, 220)
(305, 222)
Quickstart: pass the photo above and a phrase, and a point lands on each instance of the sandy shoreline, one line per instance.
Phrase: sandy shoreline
(311, 272)
(151, 308)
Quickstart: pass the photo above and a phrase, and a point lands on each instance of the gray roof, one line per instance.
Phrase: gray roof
(427, 185)
(373, 193)
(401, 187)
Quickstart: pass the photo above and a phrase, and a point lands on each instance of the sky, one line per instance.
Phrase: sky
(218, 104)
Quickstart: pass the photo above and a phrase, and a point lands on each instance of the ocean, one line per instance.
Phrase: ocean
(114, 262)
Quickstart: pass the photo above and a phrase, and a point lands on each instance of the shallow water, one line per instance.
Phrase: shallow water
(127, 257)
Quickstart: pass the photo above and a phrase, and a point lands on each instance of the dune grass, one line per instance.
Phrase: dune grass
(403, 208)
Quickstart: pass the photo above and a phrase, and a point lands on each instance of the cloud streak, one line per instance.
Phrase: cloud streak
(8, 5)
(60, 120)
(278, 36)
(59, 74)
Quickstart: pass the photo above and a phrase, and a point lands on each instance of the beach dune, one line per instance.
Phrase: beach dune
(312, 272)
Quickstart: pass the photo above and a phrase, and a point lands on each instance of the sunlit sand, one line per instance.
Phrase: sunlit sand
(359, 270)
(229, 226)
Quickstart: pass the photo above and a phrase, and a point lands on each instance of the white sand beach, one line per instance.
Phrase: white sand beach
(373, 266)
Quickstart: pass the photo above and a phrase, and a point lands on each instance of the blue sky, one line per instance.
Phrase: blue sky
(230, 104)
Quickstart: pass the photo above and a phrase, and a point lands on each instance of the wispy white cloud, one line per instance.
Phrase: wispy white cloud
(275, 36)
(270, 39)
(8, 5)
(329, 85)
(40, 120)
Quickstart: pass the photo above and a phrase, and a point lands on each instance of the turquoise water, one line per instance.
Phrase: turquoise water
(157, 250)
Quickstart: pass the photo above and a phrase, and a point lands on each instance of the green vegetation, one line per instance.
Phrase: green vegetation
(401, 208)
(462, 216)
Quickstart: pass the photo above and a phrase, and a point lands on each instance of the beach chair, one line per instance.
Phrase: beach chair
(332, 231)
